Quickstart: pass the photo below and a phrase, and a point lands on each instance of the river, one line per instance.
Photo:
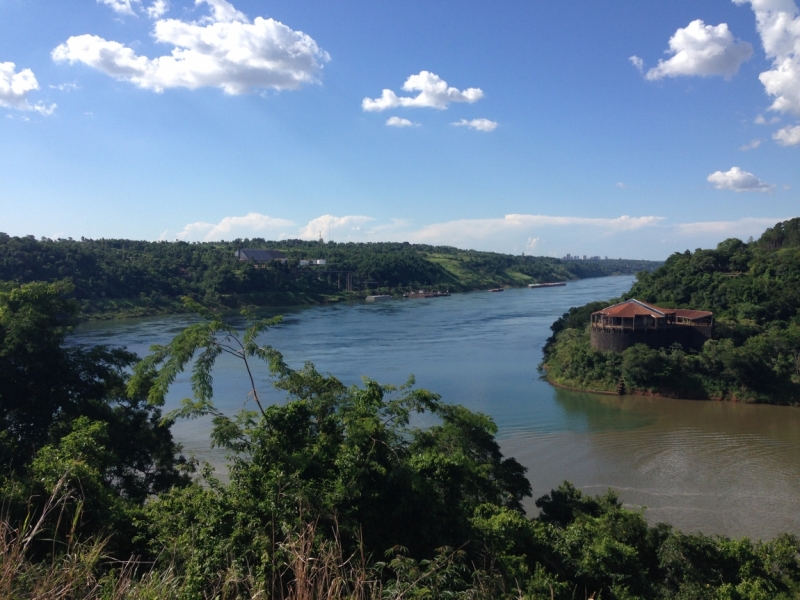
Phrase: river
(719, 468)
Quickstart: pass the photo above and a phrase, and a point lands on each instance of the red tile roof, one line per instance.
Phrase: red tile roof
(633, 308)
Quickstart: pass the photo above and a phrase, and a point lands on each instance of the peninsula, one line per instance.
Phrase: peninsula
(751, 290)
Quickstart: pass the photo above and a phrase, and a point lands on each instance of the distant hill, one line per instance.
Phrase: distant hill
(125, 277)
(753, 289)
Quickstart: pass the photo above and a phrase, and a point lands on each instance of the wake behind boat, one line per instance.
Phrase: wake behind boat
(545, 285)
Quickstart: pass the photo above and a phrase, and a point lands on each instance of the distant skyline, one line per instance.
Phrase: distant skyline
(629, 130)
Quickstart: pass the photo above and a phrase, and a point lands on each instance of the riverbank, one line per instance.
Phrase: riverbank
(648, 393)
(727, 468)
(753, 291)
(107, 310)
(128, 278)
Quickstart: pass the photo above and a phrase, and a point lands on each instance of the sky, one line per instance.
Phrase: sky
(619, 129)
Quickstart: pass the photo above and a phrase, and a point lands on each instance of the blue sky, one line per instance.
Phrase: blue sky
(547, 127)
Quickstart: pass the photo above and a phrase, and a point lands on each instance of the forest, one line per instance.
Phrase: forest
(115, 278)
(752, 288)
(334, 493)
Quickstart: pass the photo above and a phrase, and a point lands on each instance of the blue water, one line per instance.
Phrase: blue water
(715, 467)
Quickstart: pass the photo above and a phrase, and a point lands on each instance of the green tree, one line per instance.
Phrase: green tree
(67, 409)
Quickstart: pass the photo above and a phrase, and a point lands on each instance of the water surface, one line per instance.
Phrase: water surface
(714, 467)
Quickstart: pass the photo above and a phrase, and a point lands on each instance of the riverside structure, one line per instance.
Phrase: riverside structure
(623, 325)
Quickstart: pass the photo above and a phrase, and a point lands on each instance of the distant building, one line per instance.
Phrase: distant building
(620, 326)
(260, 257)
(304, 263)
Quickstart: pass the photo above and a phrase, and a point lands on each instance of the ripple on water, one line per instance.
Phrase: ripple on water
(714, 467)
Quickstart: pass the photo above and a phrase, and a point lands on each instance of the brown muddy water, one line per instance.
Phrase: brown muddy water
(714, 467)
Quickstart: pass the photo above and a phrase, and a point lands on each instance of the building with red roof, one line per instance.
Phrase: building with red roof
(623, 325)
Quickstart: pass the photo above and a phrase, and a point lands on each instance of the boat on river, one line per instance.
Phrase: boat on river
(379, 298)
(497, 289)
(546, 285)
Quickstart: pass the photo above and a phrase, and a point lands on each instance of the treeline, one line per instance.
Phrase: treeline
(115, 277)
(332, 494)
(752, 288)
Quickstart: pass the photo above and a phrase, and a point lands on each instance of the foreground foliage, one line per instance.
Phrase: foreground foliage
(754, 291)
(370, 491)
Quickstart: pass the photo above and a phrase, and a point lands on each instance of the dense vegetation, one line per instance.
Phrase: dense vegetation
(752, 288)
(332, 494)
(123, 277)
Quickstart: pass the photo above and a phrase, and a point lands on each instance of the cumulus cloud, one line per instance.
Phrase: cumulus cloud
(778, 25)
(751, 145)
(15, 86)
(399, 122)
(512, 233)
(788, 136)
(433, 93)
(123, 7)
(738, 180)
(477, 124)
(704, 50)
(637, 62)
(158, 9)
(224, 50)
(330, 226)
(252, 224)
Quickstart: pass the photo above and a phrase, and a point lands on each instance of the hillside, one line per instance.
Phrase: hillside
(123, 277)
(332, 494)
(753, 289)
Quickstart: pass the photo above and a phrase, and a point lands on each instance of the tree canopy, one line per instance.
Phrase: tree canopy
(753, 289)
(125, 277)
(364, 491)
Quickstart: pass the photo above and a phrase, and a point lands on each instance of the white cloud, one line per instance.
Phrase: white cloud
(470, 231)
(704, 50)
(751, 145)
(778, 25)
(433, 93)
(224, 50)
(331, 227)
(637, 62)
(738, 180)
(65, 87)
(123, 7)
(15, 88)
(512, 233)
(788, 136)
(621, 185)
(760, 120)
(477, 124)
(252, 224)
(222, 11)
(158, 9)
(400, 122)
(724, 229)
